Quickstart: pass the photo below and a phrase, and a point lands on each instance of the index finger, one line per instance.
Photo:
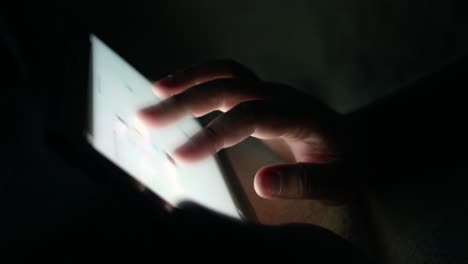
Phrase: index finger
(264, 120)
(182, 80)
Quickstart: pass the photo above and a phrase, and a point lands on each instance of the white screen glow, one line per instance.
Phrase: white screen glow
(118, 92)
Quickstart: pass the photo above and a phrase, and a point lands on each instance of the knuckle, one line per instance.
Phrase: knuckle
(306, 187)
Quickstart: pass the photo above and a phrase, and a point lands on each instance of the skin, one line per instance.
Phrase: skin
(303, 131)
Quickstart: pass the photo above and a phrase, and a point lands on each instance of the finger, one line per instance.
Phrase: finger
(221, 94)
(300, 181)
(261, 119)
(181, 81)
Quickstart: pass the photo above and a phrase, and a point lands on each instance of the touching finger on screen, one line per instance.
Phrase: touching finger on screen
(220, 94)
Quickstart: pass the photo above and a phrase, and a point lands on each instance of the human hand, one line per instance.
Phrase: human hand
(306, 133)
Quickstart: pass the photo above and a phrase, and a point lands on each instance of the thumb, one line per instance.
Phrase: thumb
(300, 181)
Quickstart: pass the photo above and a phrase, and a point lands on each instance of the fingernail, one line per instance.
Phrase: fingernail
(272, 183)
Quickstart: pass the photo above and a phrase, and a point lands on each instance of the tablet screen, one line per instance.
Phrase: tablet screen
(118, 92)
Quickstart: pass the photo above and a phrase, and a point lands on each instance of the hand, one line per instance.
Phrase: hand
(303, 131)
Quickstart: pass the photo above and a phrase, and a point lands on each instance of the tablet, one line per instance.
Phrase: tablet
(102, 94)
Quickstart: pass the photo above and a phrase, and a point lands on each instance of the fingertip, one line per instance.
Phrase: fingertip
(143, 118)
(155, 116)
(267, 183)
(180, 156)
(168, 86)
(258, 183)
(186, 153)
(159, 90)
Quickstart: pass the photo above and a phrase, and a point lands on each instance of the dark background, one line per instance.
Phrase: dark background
(347, 53)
